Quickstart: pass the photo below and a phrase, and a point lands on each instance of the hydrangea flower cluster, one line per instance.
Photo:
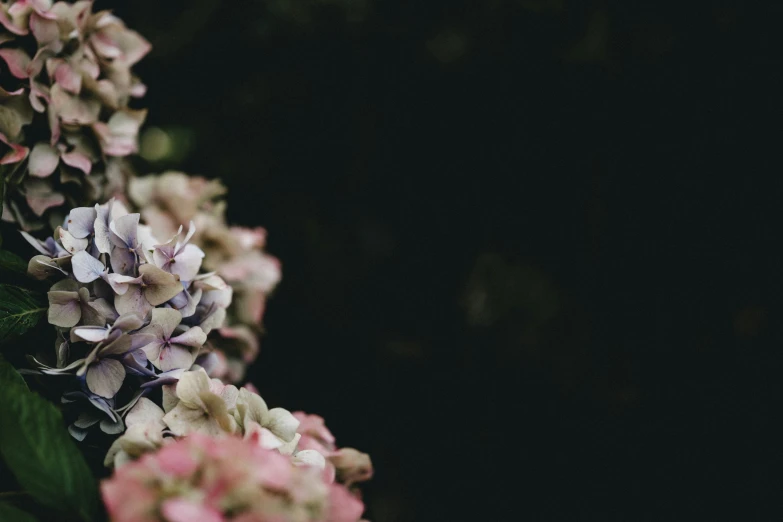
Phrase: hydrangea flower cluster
(217, 479)
(64, 117)
(126, 305)
(236, 254)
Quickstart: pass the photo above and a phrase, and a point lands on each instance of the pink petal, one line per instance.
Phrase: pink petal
(17, 61)
(181, 510)
(70, 79)
(77, 160)
(15, 155)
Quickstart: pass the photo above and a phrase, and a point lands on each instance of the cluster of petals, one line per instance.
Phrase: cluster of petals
(236, 254)
(126, 305)
(224, 478)
(70, 84)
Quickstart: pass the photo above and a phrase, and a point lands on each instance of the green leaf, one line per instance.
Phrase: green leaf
(9, 377)
(20, 310)
(40, 453)
(12, 263)
(9, 513)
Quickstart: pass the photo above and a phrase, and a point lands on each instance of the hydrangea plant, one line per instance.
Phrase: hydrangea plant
(155, 313)
(65, 121)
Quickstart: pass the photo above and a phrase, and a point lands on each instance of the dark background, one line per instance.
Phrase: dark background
(530, 248)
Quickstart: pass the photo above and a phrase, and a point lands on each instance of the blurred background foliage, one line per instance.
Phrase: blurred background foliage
(530, 247)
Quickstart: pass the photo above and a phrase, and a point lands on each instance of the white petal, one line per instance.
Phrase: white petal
(280, 422)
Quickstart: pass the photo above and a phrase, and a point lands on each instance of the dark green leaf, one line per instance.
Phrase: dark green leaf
(42, 456)
(9, 513)
(10, 377)
(12, 263)
(20, 310)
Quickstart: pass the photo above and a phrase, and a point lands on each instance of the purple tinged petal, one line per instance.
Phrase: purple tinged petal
(104, 309)
(128, 322)
(86, 268)
(132, 301)
(140, 340)
(81, 222)
(105, 378)
(188, 308)
(123, 260)
(124, 230)
(43, 160)
(152, 350)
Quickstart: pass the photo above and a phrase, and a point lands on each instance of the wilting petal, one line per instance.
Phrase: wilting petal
(43, 160)
(64, 309)
(161, 286)
(132, 302)
(43, 267)
(81, 222)
(105, 378)
(86, 268)
(194, 338)
(71, 244)
(173, 357)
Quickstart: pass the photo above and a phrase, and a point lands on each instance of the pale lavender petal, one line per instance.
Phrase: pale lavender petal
(186, 302)
(124, 230)
(43, 160)
(187, 263)
(93, 334)
(140, 340)
(86, 268)
(101, 227)
(105, 378)
(81, 222)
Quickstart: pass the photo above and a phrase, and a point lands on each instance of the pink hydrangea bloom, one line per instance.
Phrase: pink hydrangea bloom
(217, 479)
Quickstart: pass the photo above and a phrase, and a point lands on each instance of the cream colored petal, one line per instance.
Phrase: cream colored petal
(251, 407)
(145, 412)
(190, 387)
(280, 422)
(288, 448)
(183, 421)
(309, 458)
